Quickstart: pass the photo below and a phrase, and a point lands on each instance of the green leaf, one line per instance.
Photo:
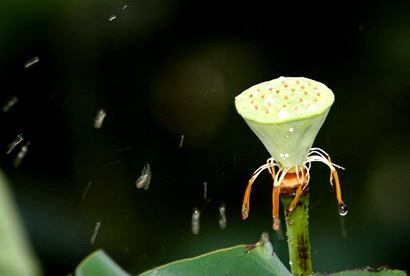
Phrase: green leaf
(238, 260)
(99, 263)
(16, 256)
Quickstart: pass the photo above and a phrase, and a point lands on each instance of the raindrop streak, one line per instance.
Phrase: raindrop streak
(20, 156)
(222, 216)
(112, 163)
(31, 62)
(13, 144)
(86, 190)
(343, 227)
(112, 18)
(343, 209)
(205, 190)
(144, 180)
(13, 100)
(96, 230)
(181, 141)
(99, 118)
(124, 7)
(195, 221)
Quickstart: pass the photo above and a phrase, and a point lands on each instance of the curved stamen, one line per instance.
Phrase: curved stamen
(319, 155)
(270, 163)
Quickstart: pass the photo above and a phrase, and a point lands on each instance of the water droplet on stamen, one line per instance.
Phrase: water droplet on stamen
(343, 210)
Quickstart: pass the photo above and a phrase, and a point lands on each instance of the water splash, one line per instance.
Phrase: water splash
(15, 142)
(144, 180)
(222, 216)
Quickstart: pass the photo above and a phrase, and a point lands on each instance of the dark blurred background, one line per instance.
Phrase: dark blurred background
(166, 68)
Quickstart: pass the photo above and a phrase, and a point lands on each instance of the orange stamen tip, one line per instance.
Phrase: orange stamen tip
(245, 213)
(276, 224)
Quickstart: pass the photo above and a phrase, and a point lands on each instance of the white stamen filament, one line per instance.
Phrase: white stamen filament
(315, 155)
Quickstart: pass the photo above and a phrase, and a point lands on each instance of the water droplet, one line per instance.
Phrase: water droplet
(124, 7)
(291, 130)
(99, 118)
(290, 263)
(31, 62)
(284, 155)
(144, 180)
(112, 18)
(312, 107)
(343, 209)
(283, 114)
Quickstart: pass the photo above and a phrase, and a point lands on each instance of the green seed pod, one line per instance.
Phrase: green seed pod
(286, 114)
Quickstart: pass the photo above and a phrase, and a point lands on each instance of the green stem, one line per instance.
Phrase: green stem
(297, 228)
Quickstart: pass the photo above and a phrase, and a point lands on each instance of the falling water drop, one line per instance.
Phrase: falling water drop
(13, 100)
(31, 62)
(112, 18)
(99, 118)
(205, 190)
(195, 221)
(181, 141)
(20, 156)
(343, 209)
(96, 230)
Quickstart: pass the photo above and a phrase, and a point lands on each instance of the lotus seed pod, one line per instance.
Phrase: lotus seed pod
(286, 114)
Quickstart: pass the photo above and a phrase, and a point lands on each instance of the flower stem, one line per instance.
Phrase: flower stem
(297, 230)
